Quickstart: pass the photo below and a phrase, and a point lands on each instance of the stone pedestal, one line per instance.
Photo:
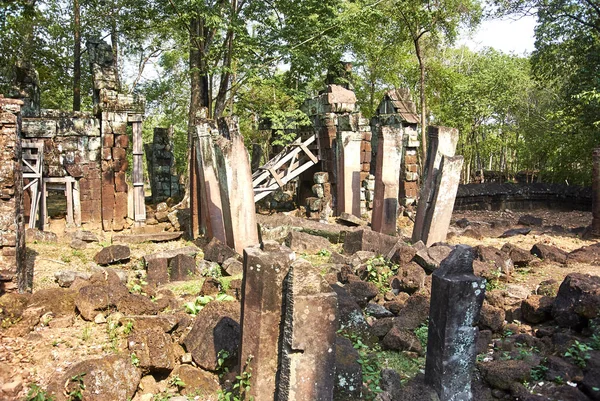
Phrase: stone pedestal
(387, 175)
(596, 194)
(438, 192)
(14, 273)
(456, 299)
(349, 167)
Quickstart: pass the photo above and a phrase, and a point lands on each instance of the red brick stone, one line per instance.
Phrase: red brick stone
(122, 141)
(366, 166)
(410, 159)
(107, 153)
(120, 182)
(108, 140)
(411, 168)
(120, 206)
(121, 165)
(119, 153)
(9, 251)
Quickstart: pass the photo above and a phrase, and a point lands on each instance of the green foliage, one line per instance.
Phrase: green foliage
(76, 392)
(538, 372)
(379, 271)
(579, 352)
(241, 386)
(422, 333)
(135, 361)
(176, 381)
(200, 302)
(36, 393)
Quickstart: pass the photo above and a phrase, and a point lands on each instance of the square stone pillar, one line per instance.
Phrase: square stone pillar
(387, 175)
(14, 274)
(456, 299)
(596, 194)
(438, 191)
(349, 167)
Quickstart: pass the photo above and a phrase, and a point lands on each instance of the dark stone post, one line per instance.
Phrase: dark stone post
(456, 299)
(596, 194)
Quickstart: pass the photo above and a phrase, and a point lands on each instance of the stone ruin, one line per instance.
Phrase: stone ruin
(164, 182)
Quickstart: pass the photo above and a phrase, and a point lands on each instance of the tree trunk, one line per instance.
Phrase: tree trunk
(221, 99)
(76, 57)
(114, 41)
(419, 53)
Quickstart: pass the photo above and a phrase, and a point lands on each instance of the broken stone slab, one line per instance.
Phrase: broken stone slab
(215, 329)
(112, 254)
(157, 271)
(550, 253)
(182, 267)
(577, 301)
(348, 371)
(154, 237)
(65, 278)
(431, 258)
(515, 231)
(587, 254)
(217, 251)
(265, 269)
(457, 297)
(519, 256)
(153, 348)
(529, 220)
(169, 254)
(367, 240)
(233, 267)
(166, 322)
(350, 220)
(78, 244)
(303, 242)
(197, 381)
(86, 236)
(112, 377)
(309, 334)
(33, 234)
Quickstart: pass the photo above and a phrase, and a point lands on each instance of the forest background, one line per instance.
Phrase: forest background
(538, 113)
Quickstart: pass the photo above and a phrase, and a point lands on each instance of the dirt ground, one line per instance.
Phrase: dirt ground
(51, 348)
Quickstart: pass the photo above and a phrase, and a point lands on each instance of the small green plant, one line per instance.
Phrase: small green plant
(525, 351)
(221, 359)
(86, 333)
(195, 306)
(36, 393)
(595, 342)
(579, 352)
(538, 372)
(65, 258)
(422, 332)
(240, 387)
(136, 287)
(76, 394)
(176, 381)
(379, 272)
(135, 361)
(559, 380)
(324, 253)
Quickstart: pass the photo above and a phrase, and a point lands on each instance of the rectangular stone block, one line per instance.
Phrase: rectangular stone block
(122, 141)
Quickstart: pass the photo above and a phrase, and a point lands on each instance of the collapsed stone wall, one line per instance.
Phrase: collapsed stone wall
(164, 183)
(13, 274)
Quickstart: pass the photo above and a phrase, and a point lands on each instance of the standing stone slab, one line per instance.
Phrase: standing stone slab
(308, 354)
(596, 194)
(265, 269)
(235, 183)
(387, 173)
(348, 172)
(456, 299)
(438, 190)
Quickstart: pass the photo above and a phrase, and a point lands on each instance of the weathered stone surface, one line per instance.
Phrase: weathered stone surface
(33, 234)
(503, 374)
(549, 253)
(409, 278)
(402, 254)
(367, 240)
(491, 317)
(309, 334)
(265, 269)
(136, 304)
(519, 256)
(350, 314)
(154, 349)
(152, 237)
(182, 267)
(65, 278)
(197, 381)
(211, 287)
(233, 267)
(109, 378)
(514, 232)
(377, 311)
(587, 254)
(350, 220)
(402, 340)
(86, 236)
(348, 172)
(457, 296)
(414, 313)
(348, 371)
(303, 242)
(215, 328)
(169, 254)
(164, 322)
(361, 291)
(578, 299)
(217, 251)
(60, 302)
(529, 220)
(591, 384)
(157, 271)
(430, 258)
(537, 309)
(96, 298)
(112, 254)
(496, 260)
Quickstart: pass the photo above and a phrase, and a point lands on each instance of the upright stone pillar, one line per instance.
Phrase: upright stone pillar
(235, 183)
(596, 194)
(14, 273)
(348, 172)
(309, 333)
(288, 326)
(438, 192)
(265, 269)
(387, 175)
(456, 299)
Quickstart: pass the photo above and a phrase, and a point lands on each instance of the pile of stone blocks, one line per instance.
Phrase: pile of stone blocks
(164, 183)
(319, 206)
(12, 229)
